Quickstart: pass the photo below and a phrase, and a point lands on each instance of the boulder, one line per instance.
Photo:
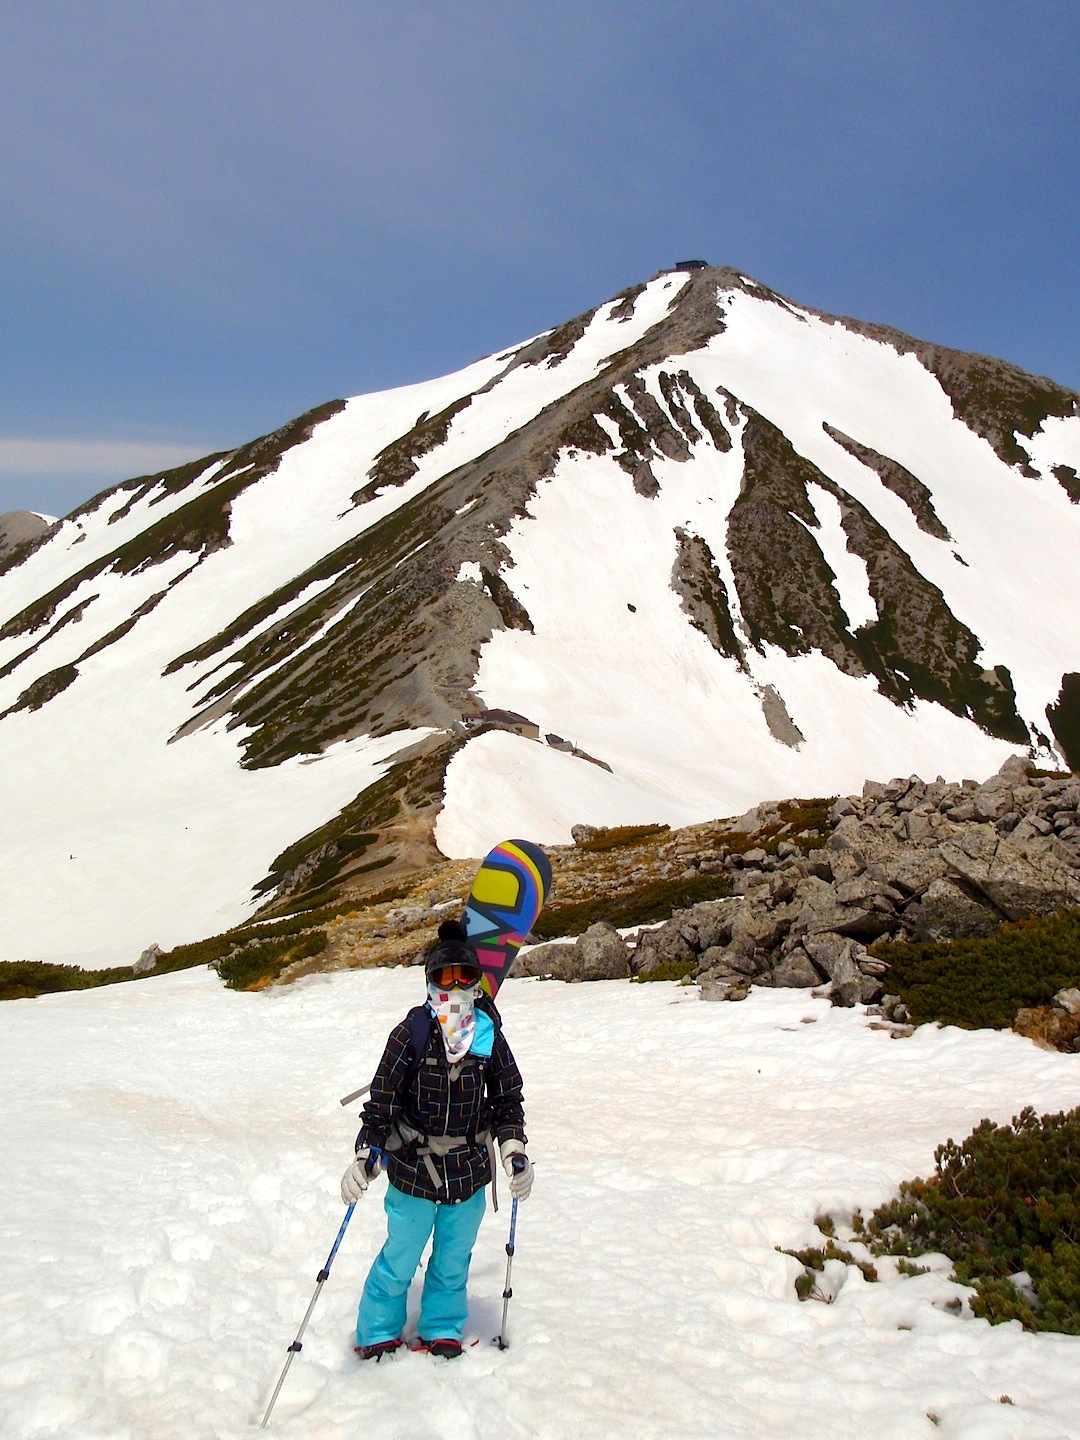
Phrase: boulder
(722, 963)
(847, 864)
(991, 802)
(871, 988)
(664, 946)
(602, 953)
(747, 880)
(1032, 827)
(148, 960)
(818, 864)
(755, 928)
(911, 871)
(544, 959)
(712, 922)
(717, 989)
(947, 912)
(1010, 878)
(794, 972)
(995, 797)
(837, 957)
(825, 951)
(1069, 1001)
(750, 821)
(865, 889)
(963, 812)
(1014, 772)
(850, 833)
(919, 827)
(848, 984)
(708, 923)
(872, 966)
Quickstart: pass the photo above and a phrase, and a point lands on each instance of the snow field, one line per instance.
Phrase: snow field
(173, 1153)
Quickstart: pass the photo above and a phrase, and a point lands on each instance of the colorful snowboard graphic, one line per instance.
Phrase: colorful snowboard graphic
(507, 895)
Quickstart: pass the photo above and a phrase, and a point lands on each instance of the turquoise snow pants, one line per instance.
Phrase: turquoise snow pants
(443, 1306)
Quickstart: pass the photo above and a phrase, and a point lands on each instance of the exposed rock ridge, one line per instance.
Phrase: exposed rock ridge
(899, 480)
(916, 648)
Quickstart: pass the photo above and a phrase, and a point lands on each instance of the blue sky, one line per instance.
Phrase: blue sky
(216, 215)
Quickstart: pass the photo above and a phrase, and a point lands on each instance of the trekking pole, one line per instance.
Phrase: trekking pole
(518, 1163)
(321, 1279)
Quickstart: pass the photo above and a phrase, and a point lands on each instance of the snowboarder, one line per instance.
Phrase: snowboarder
(446, 1092)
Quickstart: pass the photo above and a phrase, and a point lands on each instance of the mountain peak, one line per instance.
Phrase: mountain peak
(706, 543)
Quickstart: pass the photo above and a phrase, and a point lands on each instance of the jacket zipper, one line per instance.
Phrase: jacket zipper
(446, 1131)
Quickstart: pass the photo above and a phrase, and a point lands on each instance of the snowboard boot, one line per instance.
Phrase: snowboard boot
(376, 1352)
(445, 1349)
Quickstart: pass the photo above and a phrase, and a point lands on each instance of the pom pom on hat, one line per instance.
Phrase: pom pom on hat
(453, 930)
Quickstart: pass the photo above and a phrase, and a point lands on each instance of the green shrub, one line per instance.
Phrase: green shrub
(24, 979)
(256, 964)
(1005, 1200)
(672, 970)
(984, 983)
(656, 901)
(814, 1259)
(246, 957)
(621, 835)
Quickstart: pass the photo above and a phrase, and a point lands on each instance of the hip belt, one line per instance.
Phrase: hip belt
(427, 1147)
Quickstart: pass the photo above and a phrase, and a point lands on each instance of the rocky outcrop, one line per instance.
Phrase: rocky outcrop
(20, 530)
(600, 953)
(905, 860)
(148, 960)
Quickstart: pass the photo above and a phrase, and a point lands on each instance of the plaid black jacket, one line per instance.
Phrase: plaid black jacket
(483, 1095)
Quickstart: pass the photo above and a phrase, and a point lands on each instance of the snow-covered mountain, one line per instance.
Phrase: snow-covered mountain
(695, 548)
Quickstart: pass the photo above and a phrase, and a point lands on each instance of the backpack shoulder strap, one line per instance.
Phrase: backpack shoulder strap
(419, 1018)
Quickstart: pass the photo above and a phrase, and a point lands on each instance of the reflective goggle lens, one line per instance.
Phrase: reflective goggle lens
(455, 977)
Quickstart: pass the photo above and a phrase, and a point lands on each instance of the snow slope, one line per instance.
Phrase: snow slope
(172, 1156)
(642, 690)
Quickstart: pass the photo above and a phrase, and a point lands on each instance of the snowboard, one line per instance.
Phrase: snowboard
(507, 895)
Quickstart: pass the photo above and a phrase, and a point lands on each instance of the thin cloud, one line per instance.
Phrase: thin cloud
(92, 457)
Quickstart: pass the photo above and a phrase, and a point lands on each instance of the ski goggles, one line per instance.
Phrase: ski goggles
(455, 977)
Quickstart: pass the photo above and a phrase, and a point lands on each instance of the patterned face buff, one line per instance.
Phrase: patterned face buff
(455, 1012)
